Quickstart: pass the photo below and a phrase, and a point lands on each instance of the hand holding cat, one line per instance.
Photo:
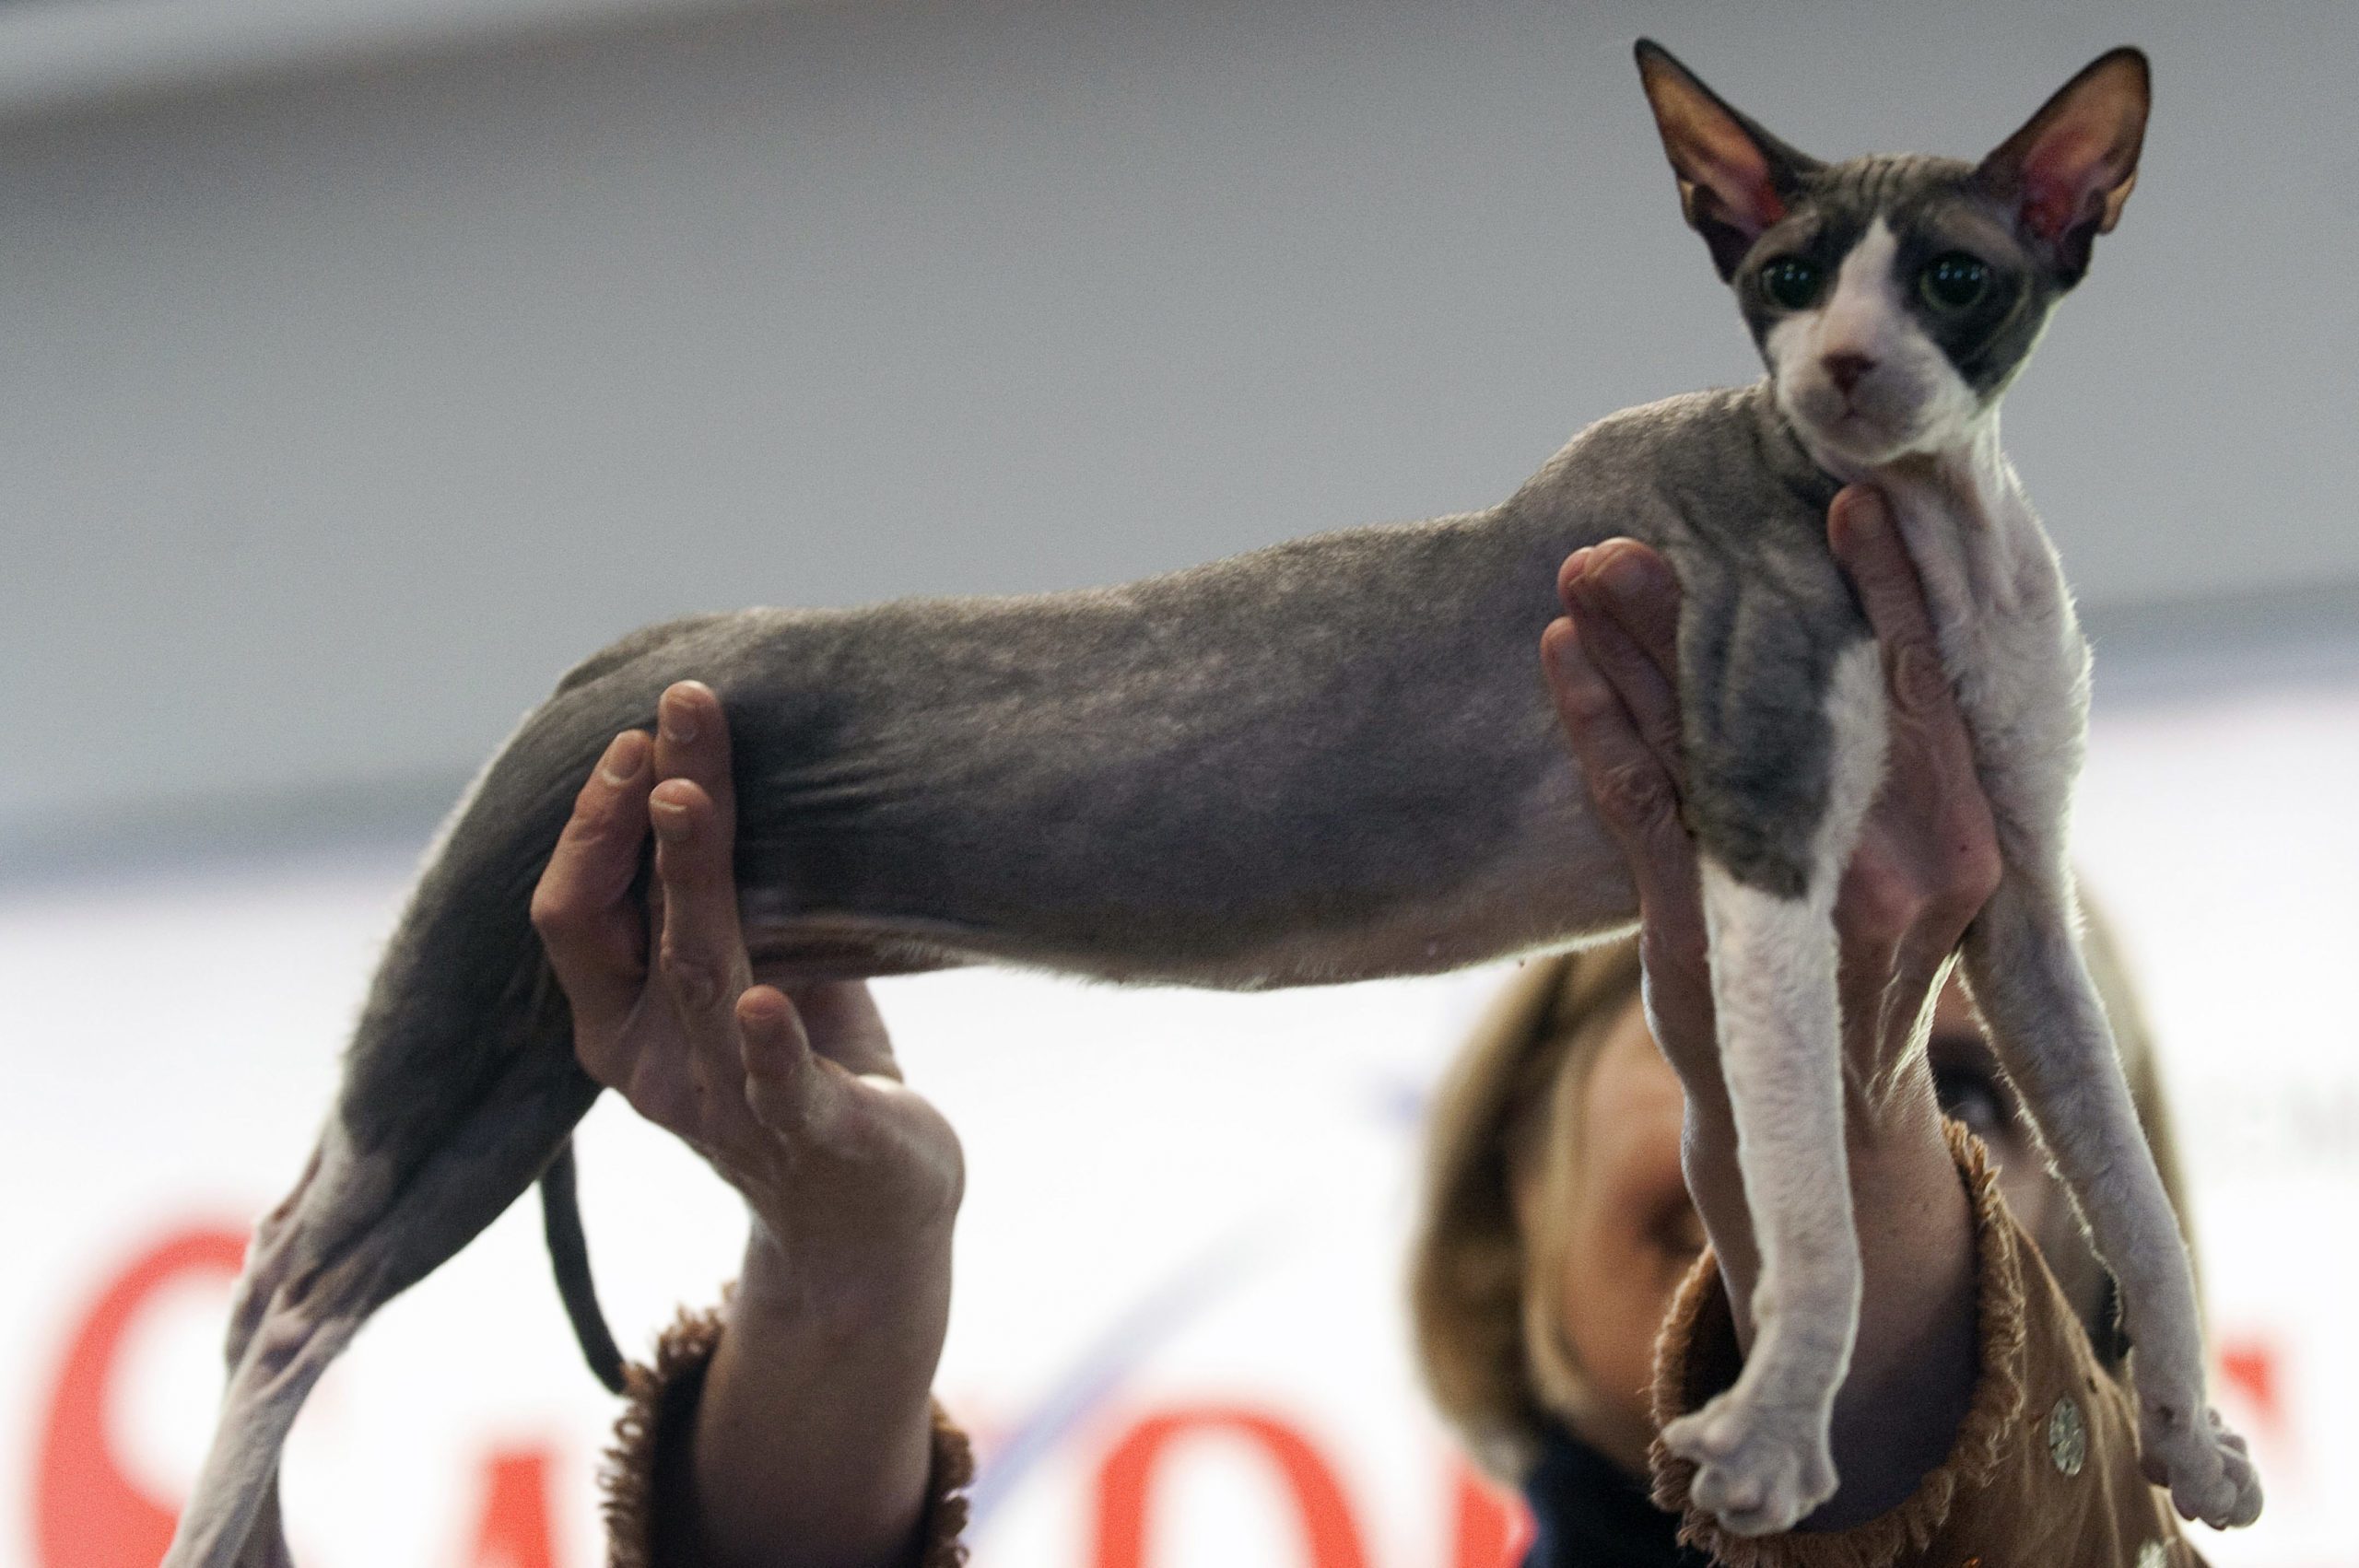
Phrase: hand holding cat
(1929, 856)
(794, 1100)
(793, 1097)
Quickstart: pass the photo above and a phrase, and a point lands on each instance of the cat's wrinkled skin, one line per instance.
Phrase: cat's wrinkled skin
(1336, 759)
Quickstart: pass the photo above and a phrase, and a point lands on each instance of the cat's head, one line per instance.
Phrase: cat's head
(1894, 298)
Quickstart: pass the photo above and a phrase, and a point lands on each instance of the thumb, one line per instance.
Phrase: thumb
(789, 1089)
(1635, 798)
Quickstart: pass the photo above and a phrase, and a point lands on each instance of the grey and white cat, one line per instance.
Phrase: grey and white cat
(1336, 759)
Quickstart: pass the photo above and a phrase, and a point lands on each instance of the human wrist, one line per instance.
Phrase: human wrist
(842, 1279)
(1707, 1160)
(1914, 1362)
(1892, 1140)
(846, 1342)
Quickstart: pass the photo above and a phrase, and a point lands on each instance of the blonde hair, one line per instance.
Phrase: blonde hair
(1486, 1291)
(1480, 1288)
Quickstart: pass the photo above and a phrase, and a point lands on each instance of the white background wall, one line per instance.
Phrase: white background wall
(359, 375)
(1176, 1201)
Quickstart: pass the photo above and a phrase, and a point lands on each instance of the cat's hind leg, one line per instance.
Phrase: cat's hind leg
(360, 1229)
(232, 1517)
(2023, 964)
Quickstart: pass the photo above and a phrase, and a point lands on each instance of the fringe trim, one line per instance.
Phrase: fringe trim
(940, 1536)
(662, 1397)
(1700, 1336)
(658, 1397)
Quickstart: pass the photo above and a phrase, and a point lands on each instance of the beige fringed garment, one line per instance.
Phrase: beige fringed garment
(2044, 1471)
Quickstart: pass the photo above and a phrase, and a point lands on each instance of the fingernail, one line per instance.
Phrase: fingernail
(1620, 571)
(1580, 562)
(1865, 515)
(621, 763)
(670, 817)
(679, 725)
(1559, 651)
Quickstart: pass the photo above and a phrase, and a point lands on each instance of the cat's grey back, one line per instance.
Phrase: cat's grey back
(1148, 759)
(1712, 479)
(1295, 739)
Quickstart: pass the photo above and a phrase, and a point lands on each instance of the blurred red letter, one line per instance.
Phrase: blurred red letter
(514, 1529)
(87, 1511)
(1488, 1528)
(1126, 1485)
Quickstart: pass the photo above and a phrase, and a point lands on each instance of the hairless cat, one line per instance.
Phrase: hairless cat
(1336, 759)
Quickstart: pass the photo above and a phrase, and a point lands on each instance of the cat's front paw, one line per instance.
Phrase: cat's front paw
(1758, 1470)
(2184, 1445)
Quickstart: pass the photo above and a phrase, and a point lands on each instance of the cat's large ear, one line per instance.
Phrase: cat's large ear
(2068, 171)
(1735, 178)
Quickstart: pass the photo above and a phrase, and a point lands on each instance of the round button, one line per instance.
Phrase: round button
(2068, 1436)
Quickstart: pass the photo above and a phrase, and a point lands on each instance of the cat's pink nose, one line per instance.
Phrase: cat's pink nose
(1845, 370)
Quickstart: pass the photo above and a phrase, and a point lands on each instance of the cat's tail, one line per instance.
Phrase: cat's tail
(570, 1257)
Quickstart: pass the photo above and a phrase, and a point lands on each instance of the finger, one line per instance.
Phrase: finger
(845, 1027)
(1638, 588)
(1633, 792)
(1869, 547)
(593, 935)
(1931, 816)
(1647, 690)
(790, 1089)
(700, 952)
(692, 742)
(1571, 571)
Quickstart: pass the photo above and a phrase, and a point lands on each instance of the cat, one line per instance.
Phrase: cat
(1336, 759)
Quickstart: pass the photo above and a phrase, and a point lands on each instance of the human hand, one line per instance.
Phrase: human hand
(812, 1446)
(1928, 855)
(792, 1097)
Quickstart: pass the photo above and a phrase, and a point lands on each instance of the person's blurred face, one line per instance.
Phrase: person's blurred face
(1633, 1234)
(1972, 1090)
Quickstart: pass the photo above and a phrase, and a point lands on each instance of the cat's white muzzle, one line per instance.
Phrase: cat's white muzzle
(1857, 375)
(1887, 414)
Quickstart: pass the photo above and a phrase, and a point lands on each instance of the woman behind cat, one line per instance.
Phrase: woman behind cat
(1976, 1420)
(1558, 1234)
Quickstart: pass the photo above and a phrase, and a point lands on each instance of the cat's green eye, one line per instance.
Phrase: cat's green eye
(1790, 282)
(1954, 282)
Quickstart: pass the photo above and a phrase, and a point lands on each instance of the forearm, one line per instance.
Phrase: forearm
(1913, 1365)
(812, 1446)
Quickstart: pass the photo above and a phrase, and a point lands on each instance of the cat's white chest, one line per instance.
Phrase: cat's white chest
(2004, 619)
